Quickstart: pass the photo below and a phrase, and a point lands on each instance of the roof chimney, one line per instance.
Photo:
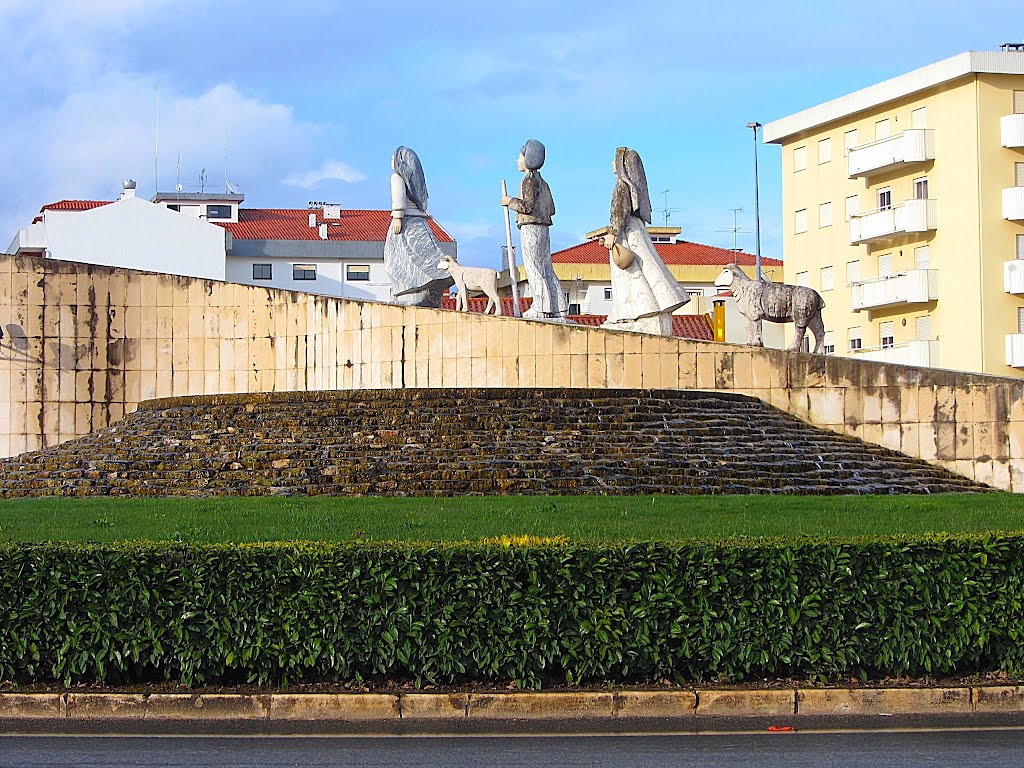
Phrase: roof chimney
(323, 231)
(312, 220)
(128, 187)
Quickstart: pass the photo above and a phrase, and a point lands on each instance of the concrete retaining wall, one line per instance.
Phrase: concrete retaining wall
(84, 344)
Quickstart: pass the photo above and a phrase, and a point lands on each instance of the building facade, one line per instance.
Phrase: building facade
(903, 205)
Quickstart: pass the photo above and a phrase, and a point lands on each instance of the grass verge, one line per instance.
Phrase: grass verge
(581, 518)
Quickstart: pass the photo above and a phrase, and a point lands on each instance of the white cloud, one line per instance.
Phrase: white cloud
(96, 136)
(331, 170)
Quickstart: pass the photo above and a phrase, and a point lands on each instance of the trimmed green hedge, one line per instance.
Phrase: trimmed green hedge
(540, 615)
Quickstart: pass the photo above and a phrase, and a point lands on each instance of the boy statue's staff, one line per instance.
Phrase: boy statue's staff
(513, 271)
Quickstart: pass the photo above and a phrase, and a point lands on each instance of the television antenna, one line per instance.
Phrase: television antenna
(202, 181)
(665, 211)
(736, 229)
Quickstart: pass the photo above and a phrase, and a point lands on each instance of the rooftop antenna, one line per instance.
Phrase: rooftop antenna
(177, 178)
(736, 228)
(667, 212)
(227, 184)
(156, 146)
(202, 181)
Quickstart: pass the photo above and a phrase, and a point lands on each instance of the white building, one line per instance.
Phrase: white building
(128, 232)
(325, 250)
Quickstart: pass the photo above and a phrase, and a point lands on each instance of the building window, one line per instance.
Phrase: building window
(1020, 246)
(262, 271)
(885, 265)
(1020, 319)
(854, 337)
(218, 211)
(923, 328)
(852, 272)
(607, 294)
(173, 207)
(825, 215)
(803, 278)
(852, 206)
(694, 292)
(885, 334)
(799, 159)
(800, 221)
(828, 281)
(884, 199)
(1018, 102)
(919, 118)
(357, 272)
(882, 129)
(830, 343)
(303, 271)
(922, 258)
(824, 151)
(921, 188)
(574, 309)
(849, 141)
(1018, 174)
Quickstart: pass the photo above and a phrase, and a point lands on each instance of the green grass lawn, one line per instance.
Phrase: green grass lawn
(581, 518)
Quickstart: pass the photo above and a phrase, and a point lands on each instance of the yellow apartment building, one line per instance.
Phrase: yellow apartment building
(903, 205)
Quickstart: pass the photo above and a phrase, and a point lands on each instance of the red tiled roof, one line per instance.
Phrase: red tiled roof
(681, 252)
(75, 205)
(287, 223)
(697, 327)
(293, 224)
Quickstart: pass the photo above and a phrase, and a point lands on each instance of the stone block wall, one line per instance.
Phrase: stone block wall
(85, 344)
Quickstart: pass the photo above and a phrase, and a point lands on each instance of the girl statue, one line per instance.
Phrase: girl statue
(534, 210)
(644, 292)
(411, 252)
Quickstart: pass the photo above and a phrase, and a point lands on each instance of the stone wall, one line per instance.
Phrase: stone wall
(84, 344)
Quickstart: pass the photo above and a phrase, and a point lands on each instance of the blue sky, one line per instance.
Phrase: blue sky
(314, 99)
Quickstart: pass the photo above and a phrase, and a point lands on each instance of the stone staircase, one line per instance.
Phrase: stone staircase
(423, 442)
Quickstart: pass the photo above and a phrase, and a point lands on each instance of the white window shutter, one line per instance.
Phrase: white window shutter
(922, 258)
(923, 326)
(885, 265)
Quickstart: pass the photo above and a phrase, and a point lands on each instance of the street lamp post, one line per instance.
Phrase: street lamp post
(757, 208)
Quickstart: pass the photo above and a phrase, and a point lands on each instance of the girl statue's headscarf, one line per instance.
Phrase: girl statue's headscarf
(407, 165)
(630, 169)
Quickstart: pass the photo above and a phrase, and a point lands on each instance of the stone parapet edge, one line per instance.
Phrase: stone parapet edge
(619, 705)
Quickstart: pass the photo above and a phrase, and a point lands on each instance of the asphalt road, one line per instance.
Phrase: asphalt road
(786, 750)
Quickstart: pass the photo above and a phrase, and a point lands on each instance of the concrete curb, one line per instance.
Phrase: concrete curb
(689, 705)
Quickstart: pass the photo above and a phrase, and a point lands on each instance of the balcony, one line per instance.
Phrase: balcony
(1015, 350)
(887, 223)
(918, 286)
(924, 354)
(914, 146)
(1013, 203)
(1013, 276)
(1012, 129)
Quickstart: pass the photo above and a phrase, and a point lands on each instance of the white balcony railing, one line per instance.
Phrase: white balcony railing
(1013, 203)
(922, 353)
(1015, 350)
(1011, 127)
(917, 286)
(914, 146)
(886, 223)
(1013, 276)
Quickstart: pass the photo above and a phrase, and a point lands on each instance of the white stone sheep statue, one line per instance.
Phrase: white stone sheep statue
(776, 303)
(477, 279)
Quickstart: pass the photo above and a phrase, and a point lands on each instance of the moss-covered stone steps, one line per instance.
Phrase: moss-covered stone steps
(433, 442)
